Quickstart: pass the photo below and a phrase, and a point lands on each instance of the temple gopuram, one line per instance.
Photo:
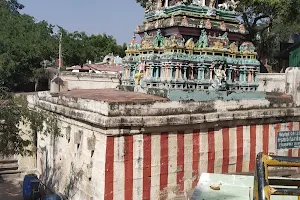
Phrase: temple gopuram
(192, 51)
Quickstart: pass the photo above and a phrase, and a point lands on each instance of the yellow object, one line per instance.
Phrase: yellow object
(138, 78)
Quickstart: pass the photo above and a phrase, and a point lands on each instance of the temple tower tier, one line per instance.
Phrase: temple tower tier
(191, 51)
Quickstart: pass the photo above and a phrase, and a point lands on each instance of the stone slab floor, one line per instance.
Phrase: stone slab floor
(10, 191)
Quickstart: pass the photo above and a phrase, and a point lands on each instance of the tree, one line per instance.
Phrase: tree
(142, 2)
(265, 19)
(23, 45)
(78, 47)
(14, 112)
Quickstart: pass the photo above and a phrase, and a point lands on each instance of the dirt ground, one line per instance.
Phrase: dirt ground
(10, 191)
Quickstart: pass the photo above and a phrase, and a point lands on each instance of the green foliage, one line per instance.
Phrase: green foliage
(142, 2)
(78, 47)
(14, 114)
(266, 19)
(25, 43)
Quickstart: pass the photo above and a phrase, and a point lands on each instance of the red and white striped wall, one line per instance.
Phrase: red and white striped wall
(169, 164)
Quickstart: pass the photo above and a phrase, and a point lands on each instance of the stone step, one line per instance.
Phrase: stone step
(9, 166)
(10, 175)
(8, 161)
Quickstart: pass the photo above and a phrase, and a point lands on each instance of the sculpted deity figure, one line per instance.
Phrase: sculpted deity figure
(220, 75)
(229, 5)
(150, 5)
(212, 3)
(198, 2)
(203, 40)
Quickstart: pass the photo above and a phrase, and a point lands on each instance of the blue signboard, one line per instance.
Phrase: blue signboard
(288, 139)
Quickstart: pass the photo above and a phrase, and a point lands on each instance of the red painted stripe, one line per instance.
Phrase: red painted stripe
(109, 169)
(266, 138)
(196, 157)
(164, 160)
(180, 161)
(147, 168)
(252, 148)
(211, 151)
(277, 129)
(128, 160)
(240, 150)
(290, 152)
(225, 166)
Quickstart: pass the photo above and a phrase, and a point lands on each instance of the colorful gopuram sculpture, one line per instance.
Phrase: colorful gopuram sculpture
(192, 51)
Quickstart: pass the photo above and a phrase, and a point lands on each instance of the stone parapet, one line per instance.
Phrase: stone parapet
(161, 113)
(117, 145)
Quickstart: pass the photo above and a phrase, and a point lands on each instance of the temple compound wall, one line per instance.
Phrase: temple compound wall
(81, 80)
(145, 147)
(268, 82)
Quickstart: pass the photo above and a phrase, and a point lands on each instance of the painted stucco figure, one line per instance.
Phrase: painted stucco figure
(139, 76)
(220, 75)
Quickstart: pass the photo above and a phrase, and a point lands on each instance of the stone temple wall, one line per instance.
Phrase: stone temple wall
(82, 80)
(269, 82)
(154, 150)
(74, 163)
(272, 82)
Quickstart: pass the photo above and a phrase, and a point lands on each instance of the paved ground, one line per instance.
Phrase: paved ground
(10, 191)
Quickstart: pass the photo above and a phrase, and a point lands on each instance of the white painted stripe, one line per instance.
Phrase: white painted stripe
(259, 139)
(119, 169)
(203, 137)
(155, 166)
(232, 150)
(188, 161)
(295, 127)
(172, 169)
(246, 148)
(138, 167)
(284, 127)
(272, 138)
(218, 151)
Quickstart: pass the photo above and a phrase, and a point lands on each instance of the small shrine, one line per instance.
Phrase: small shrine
(192, 51)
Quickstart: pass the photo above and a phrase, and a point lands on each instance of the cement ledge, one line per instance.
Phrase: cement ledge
(167, 120)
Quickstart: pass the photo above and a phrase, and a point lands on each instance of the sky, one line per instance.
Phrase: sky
(113, 17)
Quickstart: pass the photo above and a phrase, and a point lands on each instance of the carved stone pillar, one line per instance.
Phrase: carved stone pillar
(229, 77)
(177, 73)
(212, 3)
(171, 72)
(157, 72)
(210, 73)
(166, 3)
(167, 68)
(255, 76)
(126, 71)
(151, 71)
(199, 76)
(162, 75)
(184, 72)
(147, 71)
(159, 4)
(192, 72)
(250, 72)
(246, 73)
(241, 75)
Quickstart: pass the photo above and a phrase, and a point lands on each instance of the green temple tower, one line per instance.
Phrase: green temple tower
(192, 51)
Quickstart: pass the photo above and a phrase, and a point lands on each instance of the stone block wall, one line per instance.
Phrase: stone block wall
(272, 82)
(154, 150)
(83, 80)
(168, 165)
(268, 82)
(74, 163)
